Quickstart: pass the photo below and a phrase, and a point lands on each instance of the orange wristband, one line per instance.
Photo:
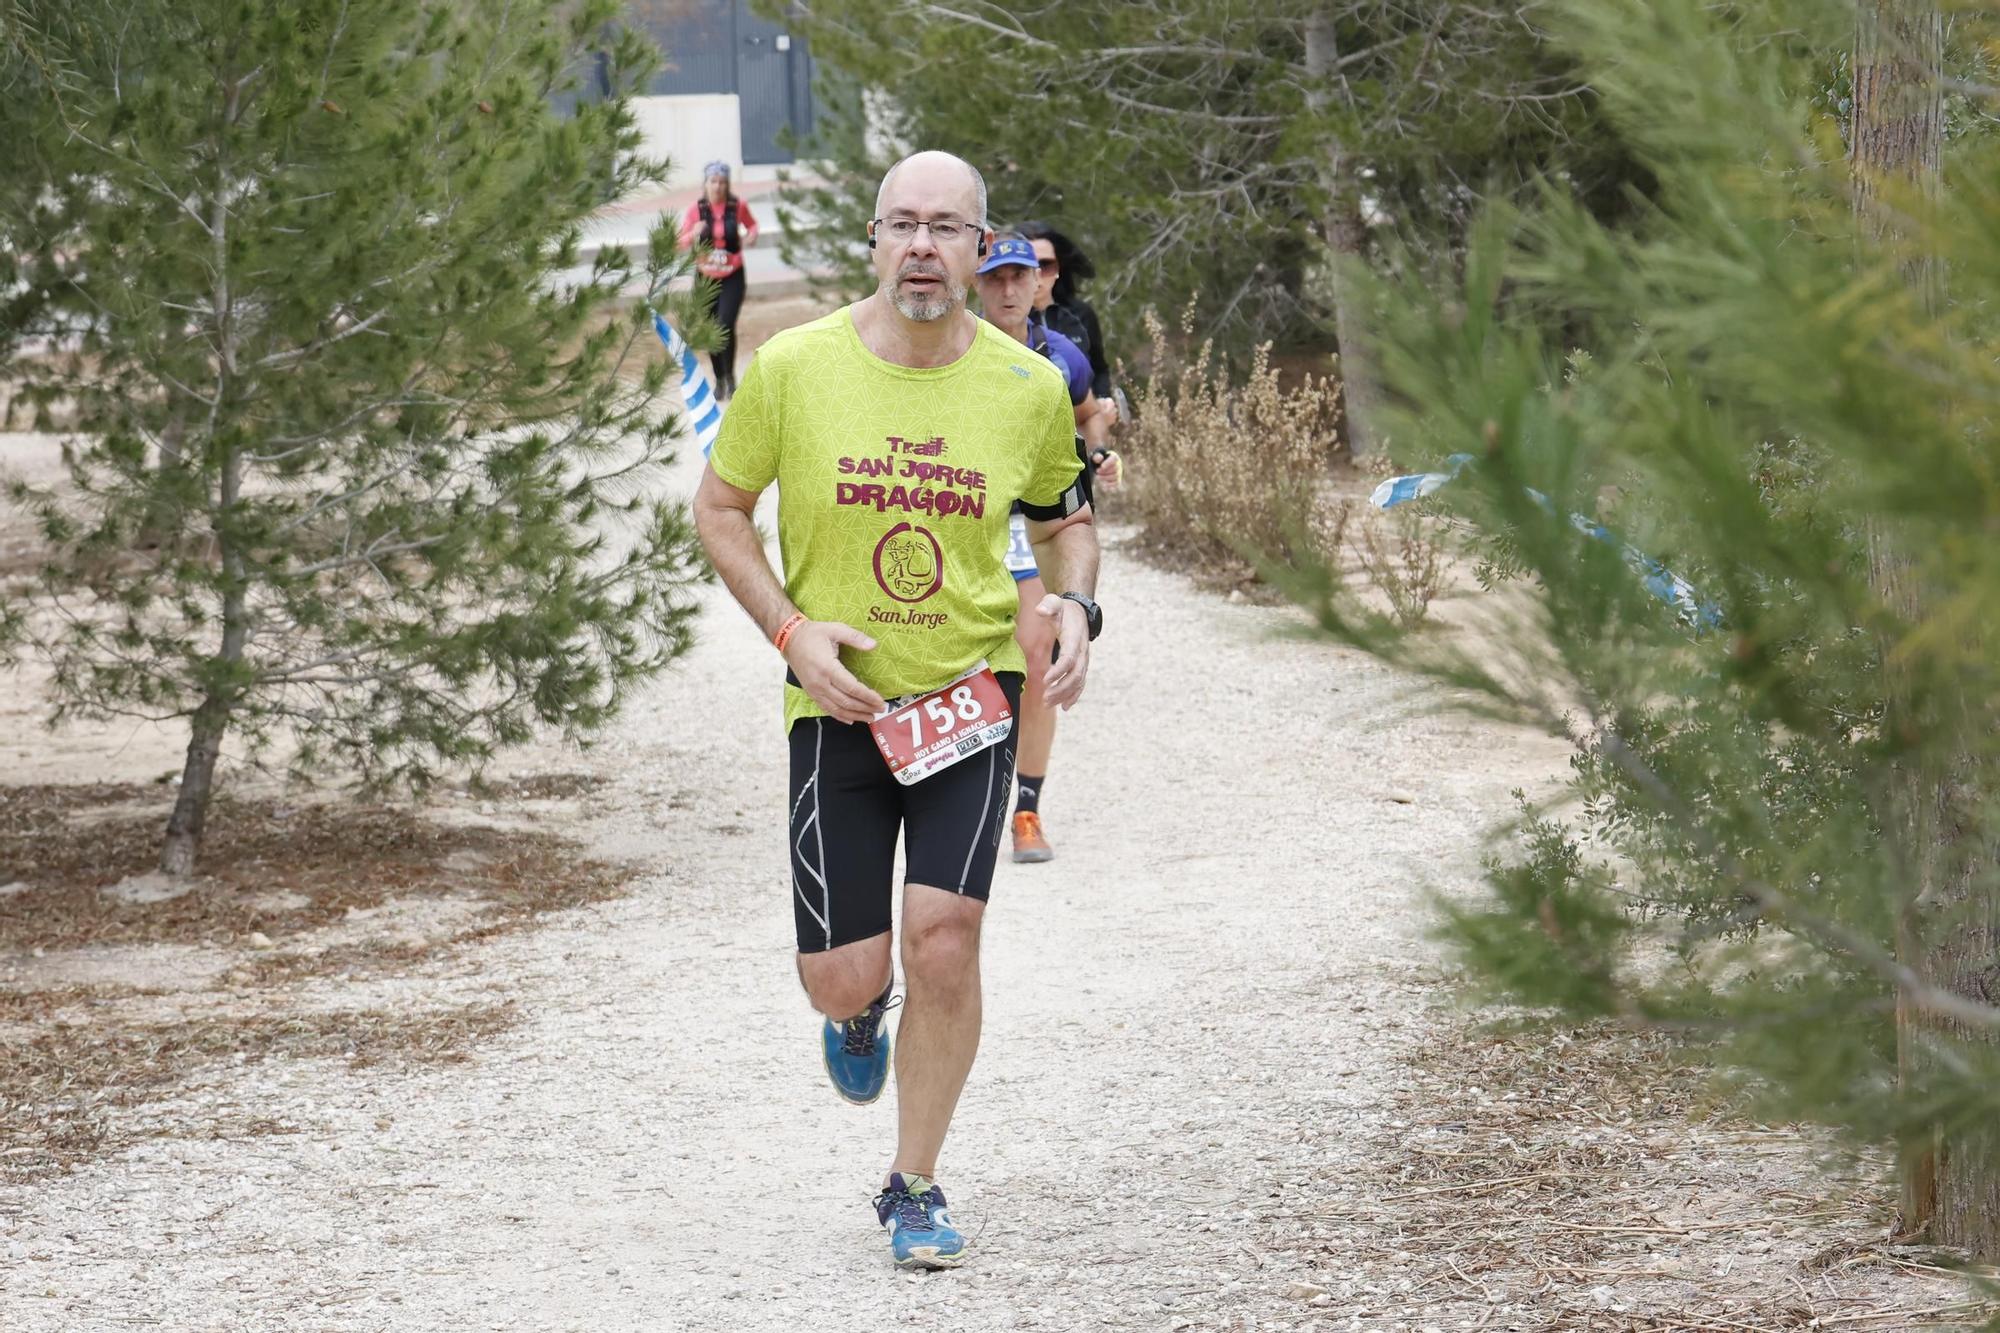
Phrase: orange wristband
(786, 630)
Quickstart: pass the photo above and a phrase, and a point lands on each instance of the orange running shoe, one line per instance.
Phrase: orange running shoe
(1029, 844)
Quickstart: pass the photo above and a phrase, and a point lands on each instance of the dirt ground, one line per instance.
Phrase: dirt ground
(1227, 1080)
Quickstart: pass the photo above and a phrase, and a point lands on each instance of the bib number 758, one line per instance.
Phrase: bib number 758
(929, 734)
(945, 715)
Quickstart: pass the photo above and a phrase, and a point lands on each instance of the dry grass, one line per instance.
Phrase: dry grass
(267, 866)
(71, 1090)
(79, 1065)
(1230, 480)
(1225, 476)
(1402, 558)
(1589, 1179)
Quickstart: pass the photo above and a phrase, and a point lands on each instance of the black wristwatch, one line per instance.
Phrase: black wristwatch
(1093, 614)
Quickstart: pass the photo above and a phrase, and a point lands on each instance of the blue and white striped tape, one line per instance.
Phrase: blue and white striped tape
(1663, 583)
(1657, 579)
(703, 407)
(1402, 490)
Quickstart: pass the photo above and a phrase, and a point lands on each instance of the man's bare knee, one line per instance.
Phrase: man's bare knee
(941, 954)
(840, 998)
(842, 982)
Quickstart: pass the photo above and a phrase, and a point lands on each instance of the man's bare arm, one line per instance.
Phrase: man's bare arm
(1071, 547)
(1072, 541)
(725, 520)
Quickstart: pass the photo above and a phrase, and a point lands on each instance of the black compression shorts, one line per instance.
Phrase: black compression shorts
(847, 809)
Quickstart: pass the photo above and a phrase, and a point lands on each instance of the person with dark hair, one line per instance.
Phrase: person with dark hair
(719, 226)
(1058, 304)
(1007, 282)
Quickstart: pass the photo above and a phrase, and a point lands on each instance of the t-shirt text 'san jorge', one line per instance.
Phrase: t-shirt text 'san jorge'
(894, 486)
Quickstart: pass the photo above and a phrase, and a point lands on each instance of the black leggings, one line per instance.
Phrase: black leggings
(846, 810)
(728, 305)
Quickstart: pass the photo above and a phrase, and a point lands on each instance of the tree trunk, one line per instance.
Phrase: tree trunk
(211, 719)
(1951, 937)
(1949, 928)
(184, 826)
(1347, 238)
(1897, 135)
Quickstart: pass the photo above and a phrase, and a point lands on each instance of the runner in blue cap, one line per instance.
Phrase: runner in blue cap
(1007, 281)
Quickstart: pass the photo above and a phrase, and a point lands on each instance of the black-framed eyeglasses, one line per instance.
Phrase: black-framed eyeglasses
(943, 230)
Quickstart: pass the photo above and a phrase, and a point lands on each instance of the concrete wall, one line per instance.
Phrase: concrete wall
(691, 131)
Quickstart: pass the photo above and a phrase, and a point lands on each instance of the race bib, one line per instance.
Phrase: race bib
(1020, 555)
(925, 735)
(716, 264)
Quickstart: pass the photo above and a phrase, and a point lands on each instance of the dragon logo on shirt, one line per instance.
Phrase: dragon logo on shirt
(909, 564)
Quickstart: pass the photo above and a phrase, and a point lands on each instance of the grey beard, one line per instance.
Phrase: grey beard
(925, 309)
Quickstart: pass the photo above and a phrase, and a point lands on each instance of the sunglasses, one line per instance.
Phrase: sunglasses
(1050, 265)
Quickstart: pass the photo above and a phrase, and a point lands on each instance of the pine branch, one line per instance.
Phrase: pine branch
(292, 356)
(1908, 984)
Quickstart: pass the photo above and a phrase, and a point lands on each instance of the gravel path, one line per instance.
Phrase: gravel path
(1184, 1013)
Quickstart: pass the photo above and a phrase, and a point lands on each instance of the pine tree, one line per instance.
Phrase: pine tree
(821, 210)
(350, 464)
(1777, 835)
(1223, 149)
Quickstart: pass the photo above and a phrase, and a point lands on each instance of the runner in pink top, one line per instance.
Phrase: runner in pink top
(720, 227)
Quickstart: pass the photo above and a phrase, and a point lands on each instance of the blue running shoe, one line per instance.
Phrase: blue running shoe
(857, 1051)
(920, 1231)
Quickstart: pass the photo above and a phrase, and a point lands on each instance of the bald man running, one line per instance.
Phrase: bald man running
(900, 431)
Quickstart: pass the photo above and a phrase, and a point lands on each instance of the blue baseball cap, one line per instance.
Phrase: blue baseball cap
(1013, 250)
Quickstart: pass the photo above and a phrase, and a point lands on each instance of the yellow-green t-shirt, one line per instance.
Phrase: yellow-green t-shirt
(894, 487)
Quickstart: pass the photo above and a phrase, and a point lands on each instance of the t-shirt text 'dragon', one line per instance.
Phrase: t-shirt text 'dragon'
(916, 485)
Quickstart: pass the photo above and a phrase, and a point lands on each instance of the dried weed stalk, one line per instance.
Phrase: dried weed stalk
(1227, 475)
(1404, 561)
